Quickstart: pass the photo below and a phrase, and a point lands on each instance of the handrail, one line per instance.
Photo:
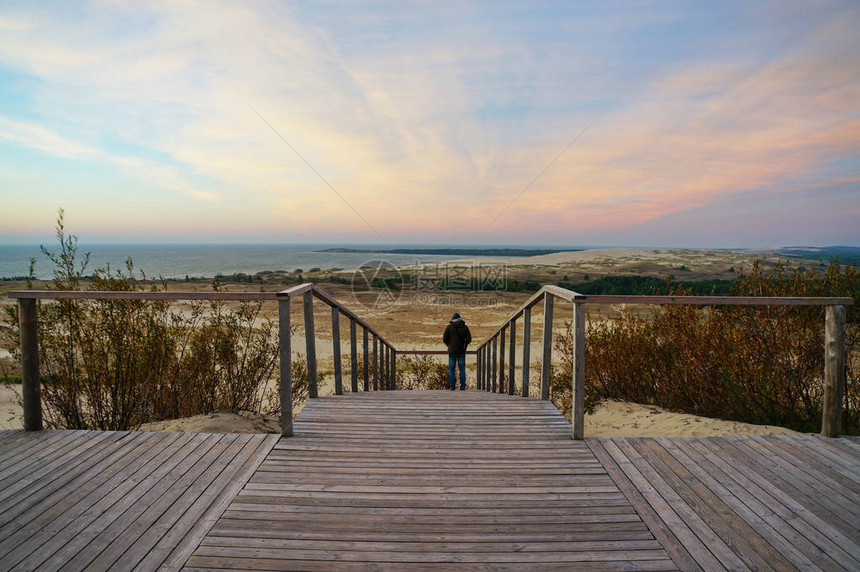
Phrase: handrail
(384, 354)
(137, 295)
(562, 293)
(487, 359)
(431, 352)
(722, 300)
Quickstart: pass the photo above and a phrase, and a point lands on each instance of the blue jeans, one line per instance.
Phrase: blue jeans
(453, 361)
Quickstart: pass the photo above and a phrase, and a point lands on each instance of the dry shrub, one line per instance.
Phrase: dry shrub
(759, 365)
(116, 364)
(359, 368)
(421, 372)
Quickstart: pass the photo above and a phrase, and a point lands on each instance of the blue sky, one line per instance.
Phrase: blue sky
(718, 123)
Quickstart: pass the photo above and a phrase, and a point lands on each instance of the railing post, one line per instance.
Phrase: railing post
(383, 362)
(383, 384)
(286, 362)
(502, 360)
(393, 368)
(335, 346)
(547, 345)
(512, 358)
(365, 353)
(375, 363)
(390, 368)
(487, 367)
(488, 350)
(834, 371)
(527, 348)
(31, 381)
(353, 356)
(479, 369)
(494, 358)
(310, 344)
(577, 411)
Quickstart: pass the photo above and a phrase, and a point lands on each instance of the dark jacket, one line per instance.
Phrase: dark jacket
(457, 337)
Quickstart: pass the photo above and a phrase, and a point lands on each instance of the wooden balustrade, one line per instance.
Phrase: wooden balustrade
(502, 360)
(31, 381)
(479, 362)
(834, 370)
(365, 353)
(375, 363)
(527, 345)
(834, 374)
(512, 365)
(384, 385)
(286, 362)
(477, 370)
(353, 357)
(380, 365)
(310, 344)
(577, 395)
(393, 368)
(495, 360)
(547, 346)
(335, 347)
(487, 368)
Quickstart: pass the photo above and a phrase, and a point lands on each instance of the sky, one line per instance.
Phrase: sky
(698, 124)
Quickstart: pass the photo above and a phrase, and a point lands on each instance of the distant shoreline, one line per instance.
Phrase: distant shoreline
(455, 251)
(185, 262)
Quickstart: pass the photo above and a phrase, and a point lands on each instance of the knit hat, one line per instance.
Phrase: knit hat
(455, 316)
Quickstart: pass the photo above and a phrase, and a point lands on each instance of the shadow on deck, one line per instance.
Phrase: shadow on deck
(426, 480)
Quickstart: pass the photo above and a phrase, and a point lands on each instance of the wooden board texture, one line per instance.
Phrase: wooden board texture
(430, 480)
(426, 481)
(86, 500)
(746, 503)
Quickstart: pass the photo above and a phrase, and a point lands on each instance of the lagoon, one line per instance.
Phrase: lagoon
(207, 260)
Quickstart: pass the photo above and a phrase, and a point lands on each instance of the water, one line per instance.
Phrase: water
(206, 260)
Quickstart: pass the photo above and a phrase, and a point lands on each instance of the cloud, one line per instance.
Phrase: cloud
(44, 140)
(429, 120)
(48, 141)
(706, 131)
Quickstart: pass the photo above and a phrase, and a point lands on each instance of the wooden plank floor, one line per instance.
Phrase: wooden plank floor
(430, 480)
(422, 481)
(76, 500)
(745, 503)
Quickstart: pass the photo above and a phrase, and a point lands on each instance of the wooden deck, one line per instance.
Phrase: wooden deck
(745, 503)
(424, 481)
(81, 500)
(431, 480)
(453, 480)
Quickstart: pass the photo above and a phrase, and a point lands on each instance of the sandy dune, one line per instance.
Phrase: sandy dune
(218, 422)
(611, 419)
(11, 414)
(623, 419)
(616, 255)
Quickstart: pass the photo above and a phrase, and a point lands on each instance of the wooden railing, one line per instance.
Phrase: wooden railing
(384, 356)
(379, 368)
(491, 353)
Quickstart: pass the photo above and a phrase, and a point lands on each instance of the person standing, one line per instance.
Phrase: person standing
(457, 337)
